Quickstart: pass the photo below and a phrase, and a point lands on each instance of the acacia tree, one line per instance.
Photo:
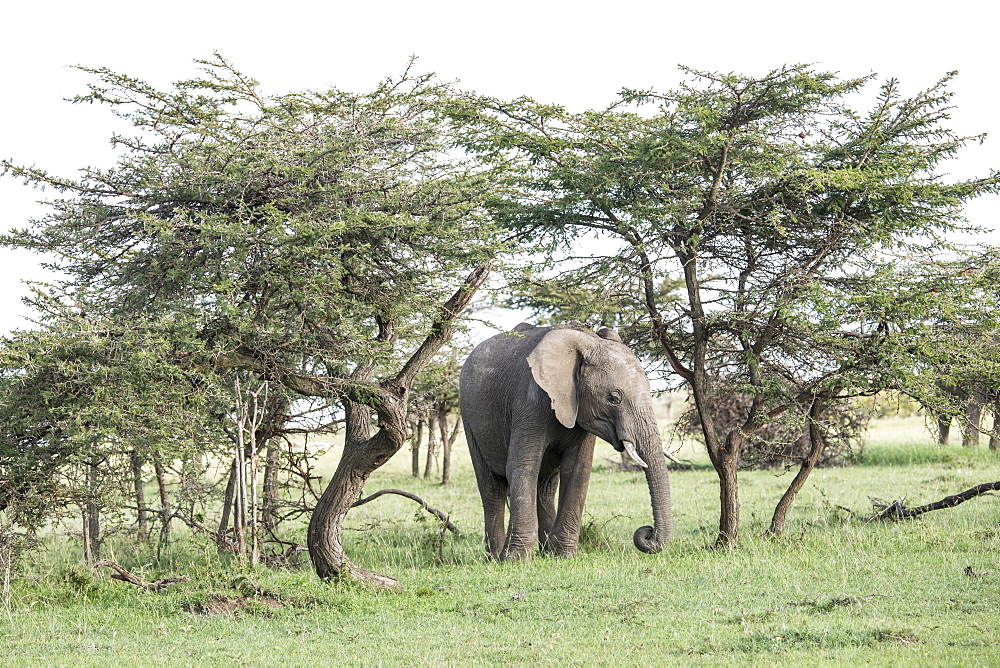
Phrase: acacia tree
(312, 238)
(789, 215)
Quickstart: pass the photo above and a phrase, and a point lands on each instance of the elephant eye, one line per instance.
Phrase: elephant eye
(614, 397)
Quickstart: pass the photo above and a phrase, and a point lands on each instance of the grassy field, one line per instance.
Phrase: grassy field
(835, 590)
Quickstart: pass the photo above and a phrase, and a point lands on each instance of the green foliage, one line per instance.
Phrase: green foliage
(600, 294)
(77, 398)
(311, 232)
(809, 235)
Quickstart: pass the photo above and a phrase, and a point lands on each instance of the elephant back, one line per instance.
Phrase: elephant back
(499, 362)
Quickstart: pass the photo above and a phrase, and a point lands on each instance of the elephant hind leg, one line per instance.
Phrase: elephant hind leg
(493, 492)
(494, 496)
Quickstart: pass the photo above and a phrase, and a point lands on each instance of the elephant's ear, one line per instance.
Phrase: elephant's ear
(609, 334)
(554, 363)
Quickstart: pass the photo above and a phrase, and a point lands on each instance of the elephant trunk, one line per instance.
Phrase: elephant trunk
(652, 539)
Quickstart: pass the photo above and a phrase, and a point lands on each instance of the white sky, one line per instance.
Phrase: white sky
(572, 53)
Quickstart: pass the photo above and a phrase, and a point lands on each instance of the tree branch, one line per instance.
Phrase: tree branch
(443, 327)
(413, 497)
(125, 576)
(895, 511)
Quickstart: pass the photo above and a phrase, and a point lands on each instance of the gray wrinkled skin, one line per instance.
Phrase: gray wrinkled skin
(533, 401)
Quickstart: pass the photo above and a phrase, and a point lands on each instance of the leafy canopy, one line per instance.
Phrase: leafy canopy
(309, 231)
(782, 209)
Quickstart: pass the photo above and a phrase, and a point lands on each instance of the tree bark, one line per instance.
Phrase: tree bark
(995, 435)
(418, 436)
(269, 504)
(363, 452)
(142, 515)
(973, 417)
(431, 441)
(161, 483)
(240, 497)
(6, 565)
(727, 467)
(445, 519)
(92, 516)
(897, 511)
(227, 501)
(126, 576)
(944, 428)
(725, 456)
(448, 437)
(816, 445)
(254, 504)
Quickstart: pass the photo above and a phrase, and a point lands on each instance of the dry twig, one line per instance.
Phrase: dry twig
(897, 510)
(125, 576)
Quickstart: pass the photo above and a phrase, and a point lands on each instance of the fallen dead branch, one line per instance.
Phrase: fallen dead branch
(125, 576)
(897, 510)
(413, 497)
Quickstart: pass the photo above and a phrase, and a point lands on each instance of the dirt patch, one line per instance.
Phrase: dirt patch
(220, 604)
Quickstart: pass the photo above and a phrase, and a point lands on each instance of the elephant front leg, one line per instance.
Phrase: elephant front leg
(522, 529)
(574, 481)
(494, 496)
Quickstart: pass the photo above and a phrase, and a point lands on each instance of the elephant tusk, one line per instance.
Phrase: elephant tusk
(672, 458)
(630, 449)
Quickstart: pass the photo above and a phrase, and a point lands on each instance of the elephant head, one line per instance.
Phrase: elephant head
(598, 385)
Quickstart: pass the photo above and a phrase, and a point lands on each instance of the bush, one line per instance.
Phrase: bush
(786, 440)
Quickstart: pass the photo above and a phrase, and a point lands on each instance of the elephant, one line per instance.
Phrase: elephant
(533, 400)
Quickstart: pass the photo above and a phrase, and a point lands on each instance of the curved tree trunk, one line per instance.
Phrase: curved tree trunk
(363, 453)
(816, 445)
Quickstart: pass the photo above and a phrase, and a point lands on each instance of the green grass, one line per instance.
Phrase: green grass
(833, 591)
